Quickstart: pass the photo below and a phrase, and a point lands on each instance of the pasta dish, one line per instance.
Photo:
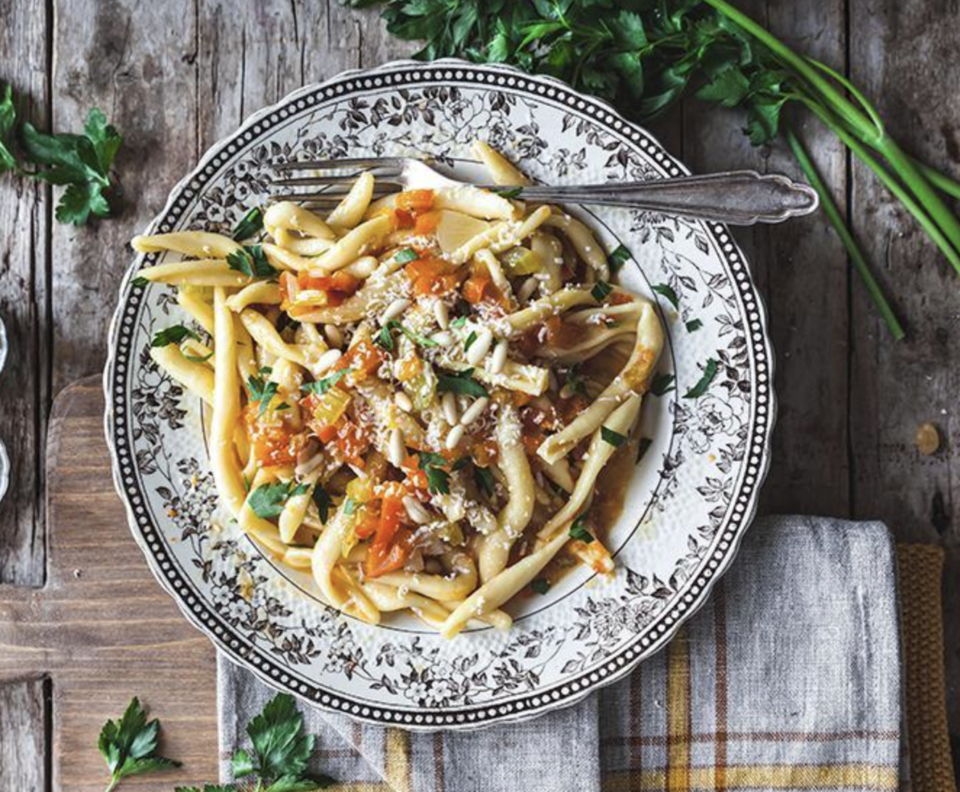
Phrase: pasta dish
(412, 397)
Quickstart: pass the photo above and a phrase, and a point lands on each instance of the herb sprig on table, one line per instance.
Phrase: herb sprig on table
(276, 762)
(644, 55)
(80, 162)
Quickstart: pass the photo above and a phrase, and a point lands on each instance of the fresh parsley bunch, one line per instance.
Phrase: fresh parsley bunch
(644, 55)
(279, 755)
(129, 746)
(80, 162)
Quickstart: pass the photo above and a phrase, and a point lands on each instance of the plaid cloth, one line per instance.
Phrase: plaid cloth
(787, 679)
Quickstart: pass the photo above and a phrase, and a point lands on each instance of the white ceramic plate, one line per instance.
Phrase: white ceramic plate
(693, 493)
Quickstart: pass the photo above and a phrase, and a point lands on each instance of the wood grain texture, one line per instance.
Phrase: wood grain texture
(101, 629)
(904, 57)
(801, 270)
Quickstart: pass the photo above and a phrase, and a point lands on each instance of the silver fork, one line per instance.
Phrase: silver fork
(742, 197)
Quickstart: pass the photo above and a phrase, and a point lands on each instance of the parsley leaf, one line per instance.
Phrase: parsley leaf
(268, 500)
(406, 255)
(81, 162)
(484, 479)
(8, 118)
(667, 291)
(579, 530)
(322, 386)
(469, 342)
(438, 480)
(141, 282)
(384, 338)
(173, 335)
(617, 259)
(128, 746)
(662, 384)
(261, 391)
(460, 321)
(611, 437)
(510, 192)
(462, 383)
(601, 290)
(250, 225)
(280, 750)
(540, 585)
(197, 358)
(322, 498)
(693, 325)
(251, 261)
(709, 372)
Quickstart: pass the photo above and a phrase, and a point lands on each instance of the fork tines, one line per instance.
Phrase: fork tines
(334, 186)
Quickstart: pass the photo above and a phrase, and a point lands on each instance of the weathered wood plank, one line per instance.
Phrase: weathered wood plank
(904, 57)
(802, 271)
(138, 63)
(24, 386)
(23, 743)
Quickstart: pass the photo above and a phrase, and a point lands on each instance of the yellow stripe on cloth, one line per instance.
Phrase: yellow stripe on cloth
(748, 777)
(678, 714)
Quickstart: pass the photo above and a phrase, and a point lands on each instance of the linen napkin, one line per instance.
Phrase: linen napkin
(788, 678)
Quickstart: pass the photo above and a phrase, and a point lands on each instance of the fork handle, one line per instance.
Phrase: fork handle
(736, 197)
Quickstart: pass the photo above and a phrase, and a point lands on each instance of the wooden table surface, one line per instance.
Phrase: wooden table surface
(177, 75)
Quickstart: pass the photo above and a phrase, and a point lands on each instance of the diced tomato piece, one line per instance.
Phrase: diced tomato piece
(426, 223)
(327, 433)
(389, 556)
(353, 442)
(404, 219)
(369, 522)
(430, 275)
(409, 368)
(273, 444)
(338, 287)
(415, 201)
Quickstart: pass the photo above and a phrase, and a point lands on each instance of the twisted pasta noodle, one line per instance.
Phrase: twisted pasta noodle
(199, 244)
(501, 170)
(475, 202)
(351, 209)
(306, 247)
(550, 252)
(200, 309)
(289, 216)
(258, 293)
(583, 241)
(494, 548)
(196, 377)
(353, 244)
(501, 236)
(634, 378)
(196, 272)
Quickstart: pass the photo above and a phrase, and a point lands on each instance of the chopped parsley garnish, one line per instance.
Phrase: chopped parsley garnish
(469, 342)
(323, 385)
(510, 192)
(385, 341)
(349, 506)
(322, 498)
(460, 321)
(540, 585)
(601, 290)
(438, 480)
(173, 335)
(662, 384)
(197, 358)
(485, 480)
(406, 255)
(261, 391)
(268, 500)
(709, 372)
(693, 325)
(417, 338)
(461, 383)
(642, 446)
(579, 530)
(251, 261)
(141, 282)
(667, 291)
(617, 259)
(611, 437)
(250, 225)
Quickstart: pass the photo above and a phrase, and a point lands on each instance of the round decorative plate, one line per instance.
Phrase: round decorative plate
(707, 421)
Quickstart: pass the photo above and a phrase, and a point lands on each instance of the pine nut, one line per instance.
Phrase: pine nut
(478, 350)
(474, 411)
(328, 359)
(394, 310)
(454, 438)
(396, 451)
(441, 314)
(528, 288)
(448, 402)
(403, 401)
(443, 338)
(333, 334)
(415, 511)
(499, 359)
